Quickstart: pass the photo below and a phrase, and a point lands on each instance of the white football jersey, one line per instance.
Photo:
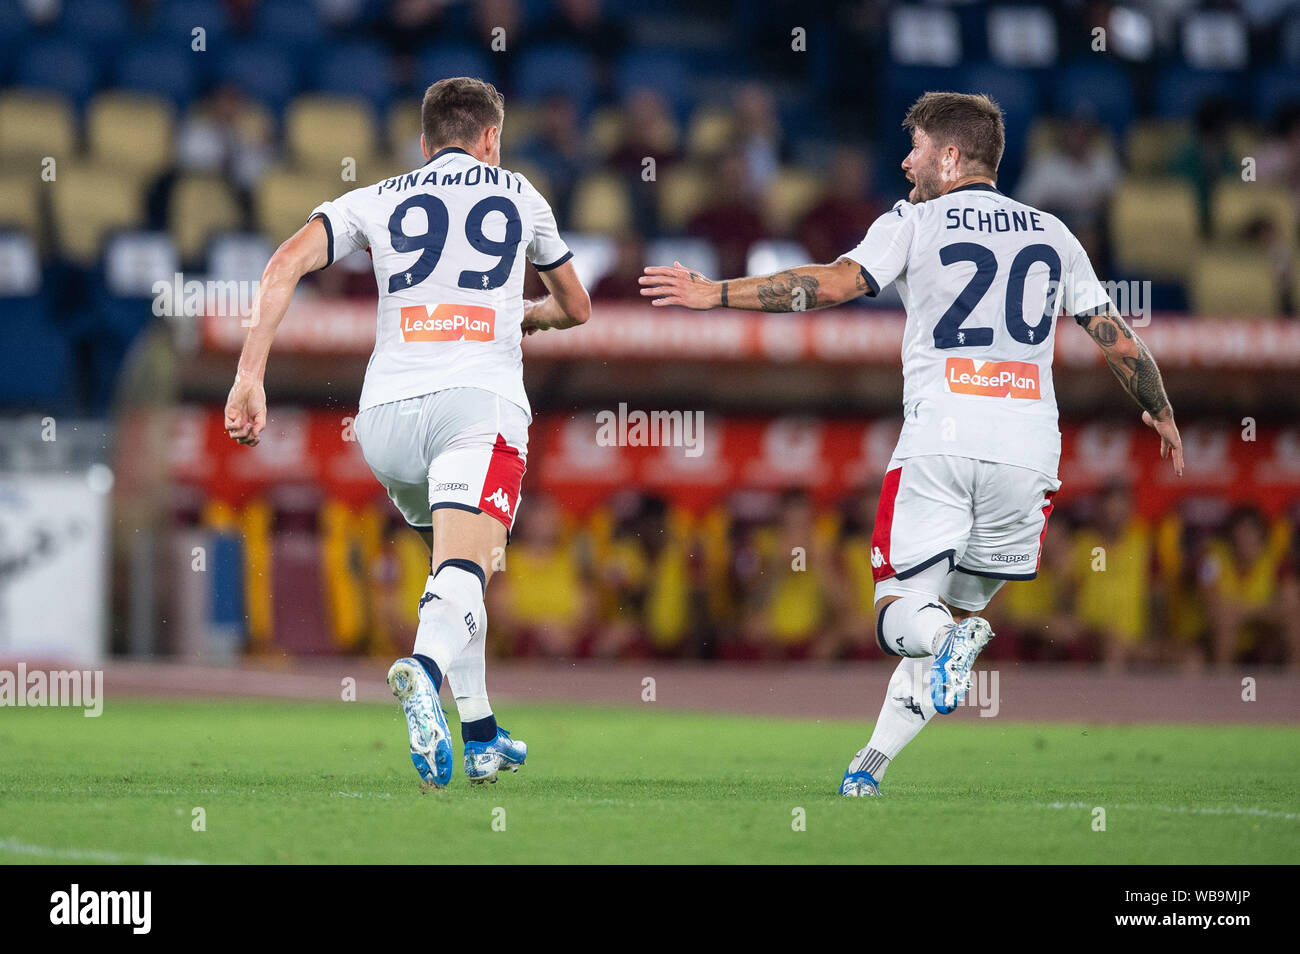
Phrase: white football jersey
(982, 278)
(447, 240)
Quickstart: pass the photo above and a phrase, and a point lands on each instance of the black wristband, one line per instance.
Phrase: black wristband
(724, 294)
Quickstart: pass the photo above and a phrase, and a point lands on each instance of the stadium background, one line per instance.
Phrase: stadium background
(132, 157)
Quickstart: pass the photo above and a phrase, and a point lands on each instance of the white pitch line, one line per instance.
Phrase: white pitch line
(1182, 810)
(16, 847)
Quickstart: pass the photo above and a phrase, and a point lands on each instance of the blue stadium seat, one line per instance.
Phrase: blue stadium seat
(902, 87)
(1102, 90)
(660, 70)
(58, 65)
(175, 21)
(1274, 88)
(557, 69)
(164, 69)
(1180, 89)
(264, 71)
(293, 23)
(14, 30)
(99, 24)
(439, 62)
(356, 69)
(40, 372)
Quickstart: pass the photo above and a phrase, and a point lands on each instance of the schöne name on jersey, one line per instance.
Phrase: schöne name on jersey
(1001, 220)
(473, 176)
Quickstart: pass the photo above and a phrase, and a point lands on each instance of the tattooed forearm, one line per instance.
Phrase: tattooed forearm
(788, 291)
(1131, 361)
(860, 277)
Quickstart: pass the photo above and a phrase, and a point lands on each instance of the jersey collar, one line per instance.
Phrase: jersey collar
(444, 151)
(979, 186)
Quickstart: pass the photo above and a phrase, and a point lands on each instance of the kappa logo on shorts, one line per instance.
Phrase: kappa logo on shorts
(442, 488)
(877, 558)
(500, 501)
(1017, 379)
(448, 323)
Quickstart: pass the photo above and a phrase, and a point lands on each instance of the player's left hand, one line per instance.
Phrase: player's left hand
(246, 411)
(678, 285)
(1171, 444)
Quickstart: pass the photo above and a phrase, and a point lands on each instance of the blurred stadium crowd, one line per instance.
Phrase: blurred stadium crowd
(736, 136)
(764, 577)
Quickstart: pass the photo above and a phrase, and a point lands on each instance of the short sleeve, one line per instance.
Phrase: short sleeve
(1081, 293)
(344, 226)
(546, 250)
(882, 255)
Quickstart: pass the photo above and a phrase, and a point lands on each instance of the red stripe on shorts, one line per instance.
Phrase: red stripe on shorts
(505, 475)
(881, 569)
(1047, 514)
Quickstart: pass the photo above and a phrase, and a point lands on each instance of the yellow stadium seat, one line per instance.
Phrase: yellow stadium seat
(682, 192)
(87, 201)
(131, 131)
(402, 127)
(1235, 205)
(711, 131)
(34, 125)
(200, 206)
(20, 202)
(285, 199)
(322, 131)
(601, 204)
(533, 173)
(606, 130)
(1235, 284)
(1155, 227)
(1153, 143)
(522, 122)
(792, 193)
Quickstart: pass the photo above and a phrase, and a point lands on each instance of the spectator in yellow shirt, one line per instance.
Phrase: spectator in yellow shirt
(1250, 590)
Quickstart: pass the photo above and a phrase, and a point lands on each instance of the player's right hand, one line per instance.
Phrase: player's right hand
(1171, 444)
(678, 285)
(246, 411)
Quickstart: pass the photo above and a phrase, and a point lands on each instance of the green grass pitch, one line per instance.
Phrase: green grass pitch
(306, 782)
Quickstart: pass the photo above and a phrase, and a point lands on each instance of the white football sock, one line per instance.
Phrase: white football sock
(912, 625)
(906, 710)
(449, 615)
(468, 676)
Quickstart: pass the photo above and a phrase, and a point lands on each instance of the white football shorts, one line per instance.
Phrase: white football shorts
(460, 447)
(986, 520)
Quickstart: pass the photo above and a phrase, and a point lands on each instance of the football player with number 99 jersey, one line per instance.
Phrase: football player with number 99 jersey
(443, 418)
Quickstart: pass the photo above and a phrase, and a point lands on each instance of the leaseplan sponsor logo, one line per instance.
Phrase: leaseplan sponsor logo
(1017, 379)
(133, 908)
(448, 323)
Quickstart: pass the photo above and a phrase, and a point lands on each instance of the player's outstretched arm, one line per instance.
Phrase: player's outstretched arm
(306, 251)
(796, 289)
(567, 305)
(1136, 369)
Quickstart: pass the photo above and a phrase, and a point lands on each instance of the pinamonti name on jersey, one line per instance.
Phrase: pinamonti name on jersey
(982, 278)
(447, 242)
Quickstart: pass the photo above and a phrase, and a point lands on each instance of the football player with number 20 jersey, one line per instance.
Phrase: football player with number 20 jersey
(968, 492)
(443, 418)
